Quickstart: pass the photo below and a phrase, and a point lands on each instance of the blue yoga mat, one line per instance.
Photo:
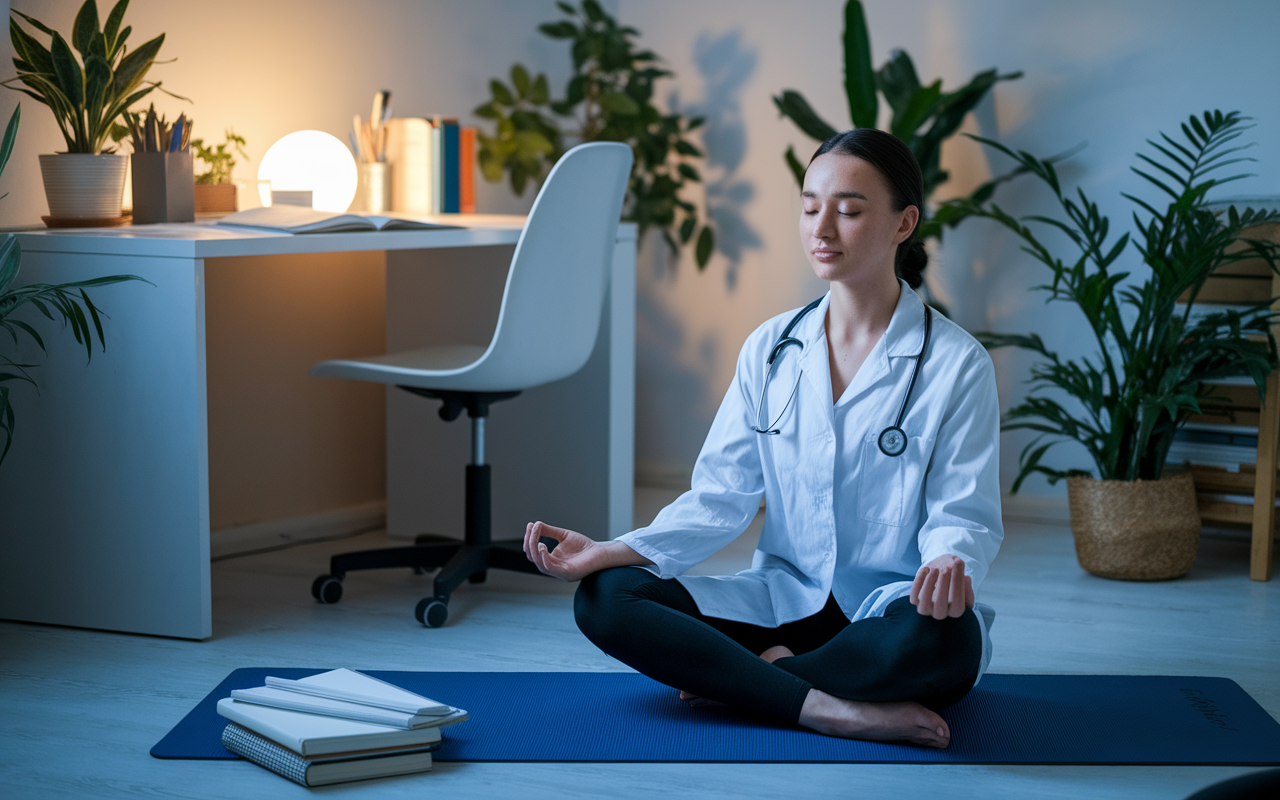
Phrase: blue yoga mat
(1006, 719)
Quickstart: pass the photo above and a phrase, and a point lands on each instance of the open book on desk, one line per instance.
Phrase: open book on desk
(300, 219)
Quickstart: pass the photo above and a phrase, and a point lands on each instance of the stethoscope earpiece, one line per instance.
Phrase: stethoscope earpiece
(893, 439)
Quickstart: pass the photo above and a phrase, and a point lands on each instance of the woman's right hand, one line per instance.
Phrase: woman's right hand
(575, 556)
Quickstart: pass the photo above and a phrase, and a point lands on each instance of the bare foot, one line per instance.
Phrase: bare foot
(877, 722)
(771, 655)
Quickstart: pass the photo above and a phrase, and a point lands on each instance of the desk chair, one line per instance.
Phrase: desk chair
(547, 325)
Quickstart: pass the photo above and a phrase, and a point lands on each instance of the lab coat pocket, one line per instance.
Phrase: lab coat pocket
(889, 487)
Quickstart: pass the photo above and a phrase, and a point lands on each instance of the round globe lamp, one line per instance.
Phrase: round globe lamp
(311, 161)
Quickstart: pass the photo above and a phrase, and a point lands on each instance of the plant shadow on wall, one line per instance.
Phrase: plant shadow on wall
(609, 98)
(726, 66)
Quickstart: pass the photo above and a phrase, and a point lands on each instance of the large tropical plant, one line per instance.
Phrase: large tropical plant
(86, 98)
(65, 301)
(924, 116)
(608, 98)
(1155, 351)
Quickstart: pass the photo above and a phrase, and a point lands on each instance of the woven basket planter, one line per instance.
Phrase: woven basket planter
(1135, 530)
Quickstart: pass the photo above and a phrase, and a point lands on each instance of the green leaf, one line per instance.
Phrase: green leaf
(67, 70)
(576, 90)
(682, 147)
(689, 172)
(501, 94)
(566, 8)
(111, 30)
(918, 109)
(859, 77)
(559, 30)
(520, 80)
(539, 94)
(897, 80)
(85, 26)
(133, 67)
(6, 147)
(29, 49)
(593, 11)
(706, 244)
(35, 23)
(792, 104)
(618, 103)
(797, 169)
(687, 228)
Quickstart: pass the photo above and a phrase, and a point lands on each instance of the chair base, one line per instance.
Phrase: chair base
(456, 560)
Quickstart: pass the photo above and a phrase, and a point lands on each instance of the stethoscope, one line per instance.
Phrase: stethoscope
(893, 439)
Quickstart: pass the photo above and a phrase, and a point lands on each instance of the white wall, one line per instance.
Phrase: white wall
(1111, 73)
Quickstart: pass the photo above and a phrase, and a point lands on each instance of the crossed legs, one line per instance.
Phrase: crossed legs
(880, 678)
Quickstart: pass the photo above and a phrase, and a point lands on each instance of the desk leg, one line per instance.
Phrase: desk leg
(104, 499)
(563, 452)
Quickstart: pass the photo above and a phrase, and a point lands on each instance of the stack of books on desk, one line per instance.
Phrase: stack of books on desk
(333, 727)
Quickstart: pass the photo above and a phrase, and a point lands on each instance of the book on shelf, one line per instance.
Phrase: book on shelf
(433, 163)
(312, 704)
(320, 770)
(315, 734)
(303, 220)
(409, 154)
(356, 687)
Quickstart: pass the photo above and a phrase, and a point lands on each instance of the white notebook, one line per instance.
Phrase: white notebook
(312, 734)
(311, 704)
(356, 687)
(300, 219)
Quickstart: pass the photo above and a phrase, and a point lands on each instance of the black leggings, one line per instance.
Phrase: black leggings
(654, 626)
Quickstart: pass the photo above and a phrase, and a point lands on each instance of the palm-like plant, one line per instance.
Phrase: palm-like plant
(923, 116)
(1154, 354)
(86, 99)
(68, 301)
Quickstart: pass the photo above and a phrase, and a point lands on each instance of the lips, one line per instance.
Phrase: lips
(825, 255)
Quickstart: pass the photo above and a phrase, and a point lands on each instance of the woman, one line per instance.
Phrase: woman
(882, 509)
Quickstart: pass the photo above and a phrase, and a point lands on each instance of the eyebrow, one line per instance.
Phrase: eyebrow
(837, 194)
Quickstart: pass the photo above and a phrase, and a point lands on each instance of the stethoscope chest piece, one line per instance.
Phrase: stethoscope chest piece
(893, 441)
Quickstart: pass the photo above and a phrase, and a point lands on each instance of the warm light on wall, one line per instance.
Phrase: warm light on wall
(310, 161)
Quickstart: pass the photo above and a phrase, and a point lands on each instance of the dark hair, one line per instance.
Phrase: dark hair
(897, 165)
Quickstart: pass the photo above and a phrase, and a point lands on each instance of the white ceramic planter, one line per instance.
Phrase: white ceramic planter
(83, 186)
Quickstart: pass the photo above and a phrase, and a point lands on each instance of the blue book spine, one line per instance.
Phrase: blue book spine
(452, 170)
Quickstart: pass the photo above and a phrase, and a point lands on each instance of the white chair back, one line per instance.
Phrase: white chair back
(554, 296)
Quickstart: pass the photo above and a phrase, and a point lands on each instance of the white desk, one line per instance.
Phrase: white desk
(104, 498)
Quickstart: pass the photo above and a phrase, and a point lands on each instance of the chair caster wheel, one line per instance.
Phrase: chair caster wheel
(327, 589)
(431, 612)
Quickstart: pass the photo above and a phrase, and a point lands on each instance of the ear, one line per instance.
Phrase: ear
(906, 224)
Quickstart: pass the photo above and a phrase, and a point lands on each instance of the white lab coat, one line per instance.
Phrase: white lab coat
(840, 516)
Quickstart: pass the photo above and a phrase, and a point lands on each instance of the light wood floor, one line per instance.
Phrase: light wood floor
(80, 709)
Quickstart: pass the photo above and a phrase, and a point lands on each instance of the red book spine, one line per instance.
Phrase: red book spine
(467, 171)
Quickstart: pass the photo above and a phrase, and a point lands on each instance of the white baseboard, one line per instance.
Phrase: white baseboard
(258, 536)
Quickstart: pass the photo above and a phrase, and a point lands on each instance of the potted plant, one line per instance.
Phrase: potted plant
(67, 300)
(609, 97)
(214, 190)
(87, 96)
(1154, 355)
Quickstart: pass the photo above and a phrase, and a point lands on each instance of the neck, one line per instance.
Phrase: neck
(862, 309)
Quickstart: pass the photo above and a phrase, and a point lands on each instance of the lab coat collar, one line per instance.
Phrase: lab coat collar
(903, 337)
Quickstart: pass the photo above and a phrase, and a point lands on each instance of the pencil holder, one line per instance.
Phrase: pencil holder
(373, 192)
(163, 187)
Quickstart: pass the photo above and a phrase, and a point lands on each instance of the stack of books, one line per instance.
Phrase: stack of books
(433, 165)
(333, 727)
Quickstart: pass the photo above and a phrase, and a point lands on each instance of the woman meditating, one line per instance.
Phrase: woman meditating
(869, 425)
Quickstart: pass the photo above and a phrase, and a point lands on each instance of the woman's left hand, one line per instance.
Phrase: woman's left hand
(941, 589)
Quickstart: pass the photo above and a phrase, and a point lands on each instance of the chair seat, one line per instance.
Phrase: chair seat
(445, 367)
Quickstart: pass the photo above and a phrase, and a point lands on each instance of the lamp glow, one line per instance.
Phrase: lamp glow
(311, 161)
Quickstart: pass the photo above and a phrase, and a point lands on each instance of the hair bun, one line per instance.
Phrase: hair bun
(912, 259)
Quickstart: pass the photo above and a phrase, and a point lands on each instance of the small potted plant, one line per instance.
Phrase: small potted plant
(1154, 356)
(215, 193)
(87, 96)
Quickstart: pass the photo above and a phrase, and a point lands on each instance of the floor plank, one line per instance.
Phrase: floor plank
(82, 708)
